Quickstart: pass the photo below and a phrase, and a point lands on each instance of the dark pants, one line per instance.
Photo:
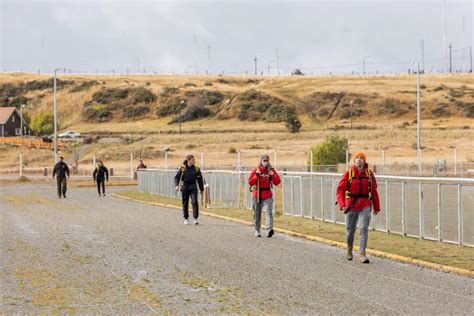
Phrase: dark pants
(101, 182)
(61, 186)
(193, 194)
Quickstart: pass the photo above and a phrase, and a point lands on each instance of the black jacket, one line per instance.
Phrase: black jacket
(60, 170)
(189, 177)
(101, 173)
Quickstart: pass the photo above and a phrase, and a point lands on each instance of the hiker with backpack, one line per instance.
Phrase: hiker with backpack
(357, 196)
(261, 181)
(187, 180)
(61, 170)
(101, 173)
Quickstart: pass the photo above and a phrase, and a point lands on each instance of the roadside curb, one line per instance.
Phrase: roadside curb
(376, 253)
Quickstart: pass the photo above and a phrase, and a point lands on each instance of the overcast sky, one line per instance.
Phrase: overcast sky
(167, 36)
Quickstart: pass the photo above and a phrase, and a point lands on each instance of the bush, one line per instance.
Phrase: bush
(43, 124)
(232, 150)
(439, 88)
(97, 113)
(167, 91)
(171, 108)
(297, 72)
(143, 95)
(135, 111)
(106, 96)
(46, 84)
(208, 84)
(279, 113)
(190, 84)
(83, 86)
(8, 90)
(17, 102)
(441, 110)
(192, 112)
(330, 152)
(292, 123)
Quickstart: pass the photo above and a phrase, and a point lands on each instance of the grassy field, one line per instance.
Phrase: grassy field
(387, 119)
(440, 253)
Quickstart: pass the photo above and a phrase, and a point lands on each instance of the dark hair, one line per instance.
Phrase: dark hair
(189, 157)
(185, 162)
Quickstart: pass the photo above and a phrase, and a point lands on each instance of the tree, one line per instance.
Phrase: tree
(292, 123)
(43, 124)
(330, 152)
(297, 72)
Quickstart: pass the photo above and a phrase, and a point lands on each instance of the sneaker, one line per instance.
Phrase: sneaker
(196, 222)
(257, 234)
(59, 197)
(186, 222)
(103, 194)
(271, 232)
(363, 258)
(349, 255)
(64, 195)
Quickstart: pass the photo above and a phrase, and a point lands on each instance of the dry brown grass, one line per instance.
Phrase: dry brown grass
(372, 130)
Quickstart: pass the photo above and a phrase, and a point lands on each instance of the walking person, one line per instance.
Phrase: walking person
(61, 171)
(357, 196)
(101, 173)
(187, 180)
(261, 181)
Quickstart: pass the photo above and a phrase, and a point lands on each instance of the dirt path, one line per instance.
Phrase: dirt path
(105, 255)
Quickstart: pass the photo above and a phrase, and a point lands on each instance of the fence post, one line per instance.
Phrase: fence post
(460, 215)
(301, 196)
(21, 164)
(292, 196)
(311, 161)
(383, 161)
(455, 161)
(322, 199)
(387, 205)
(404, 217)
(333, 189)
(131, 166)
(347, 158)
(202, 160)
(420, 210)
(440, 235)
(166, 160)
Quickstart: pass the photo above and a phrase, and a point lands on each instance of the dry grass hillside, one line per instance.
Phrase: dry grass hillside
(248, 114)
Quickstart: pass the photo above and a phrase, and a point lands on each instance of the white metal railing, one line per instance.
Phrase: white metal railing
(440, 209)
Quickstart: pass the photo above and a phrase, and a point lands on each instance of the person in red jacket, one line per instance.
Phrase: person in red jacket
(356, 196)
(261, 181)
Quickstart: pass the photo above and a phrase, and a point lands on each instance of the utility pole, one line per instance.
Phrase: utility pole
(418, 114)
(445, 46)
(255, 60)
(21, 134)
(55, 118)
(470, 57)
(209, 54)
(363, 64)
(450, 58)
(278, 61)
(422, 55)
(181, 104)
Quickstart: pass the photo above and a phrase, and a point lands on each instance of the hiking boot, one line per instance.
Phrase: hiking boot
(64, 195)
(257, 234)
(271, 232)
(103, 194)
(363, 258)
(186, 222)
(349, 255)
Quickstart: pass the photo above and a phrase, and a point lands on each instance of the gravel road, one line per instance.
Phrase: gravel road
(87, 254)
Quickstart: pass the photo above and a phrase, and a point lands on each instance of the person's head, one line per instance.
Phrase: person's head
(100, 163)
(61, 159)
(265, 161)
(360, 159)
(190, 160)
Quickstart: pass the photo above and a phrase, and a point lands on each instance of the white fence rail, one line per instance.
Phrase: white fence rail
(440, 209)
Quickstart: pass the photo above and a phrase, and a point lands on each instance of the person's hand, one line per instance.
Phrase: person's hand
(376, 212)
(343, 208)
(257, 172)
(270, 172)
(177, 188)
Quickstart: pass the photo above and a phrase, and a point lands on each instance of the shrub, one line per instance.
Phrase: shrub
(208, 84)
(297, 72)
(192, 112)
(171, 108)
(292, 123)
(441, 110)
(43, 124)
(135, 111)
(167, 91)
(83, 86)
(330, 152)
(97, 113)
(439, 88)
(106, 96)
(190, 84)
(143, 95)
(8, 90)
(17, 102)
(232, 150)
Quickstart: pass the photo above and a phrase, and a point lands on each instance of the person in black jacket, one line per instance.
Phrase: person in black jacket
(61, 170)
(188, 179)
(101, 173)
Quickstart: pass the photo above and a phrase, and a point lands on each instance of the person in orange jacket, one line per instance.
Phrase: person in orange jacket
(261, 180)
(356, 196)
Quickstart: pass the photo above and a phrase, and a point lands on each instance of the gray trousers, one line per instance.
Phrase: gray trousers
(257, 213)
(363, 217)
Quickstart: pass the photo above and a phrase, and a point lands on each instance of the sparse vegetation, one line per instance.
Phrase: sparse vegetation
(330, 152)
(42, 124)
(83, 86)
